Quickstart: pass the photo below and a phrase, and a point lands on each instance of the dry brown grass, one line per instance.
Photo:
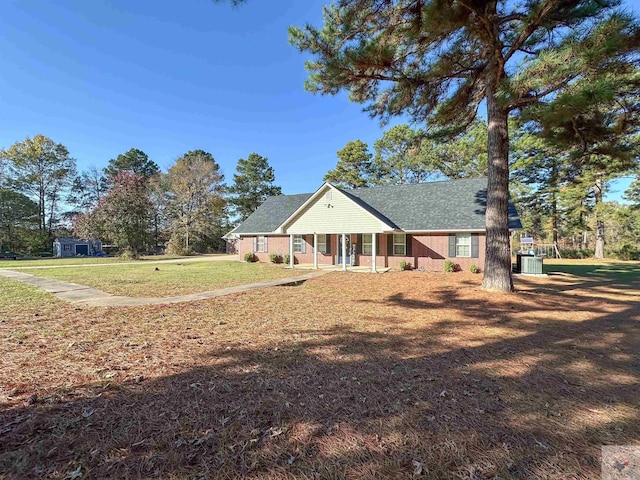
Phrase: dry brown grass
(346, 376)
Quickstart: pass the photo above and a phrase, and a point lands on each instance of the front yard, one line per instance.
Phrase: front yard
(167, 278)
(400, 375)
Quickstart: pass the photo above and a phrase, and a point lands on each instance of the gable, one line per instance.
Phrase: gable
(331, 211)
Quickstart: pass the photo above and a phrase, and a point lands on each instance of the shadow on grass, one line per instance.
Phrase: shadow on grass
(506, 392)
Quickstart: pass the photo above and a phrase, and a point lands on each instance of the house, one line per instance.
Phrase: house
(71, 247)
(419, 224)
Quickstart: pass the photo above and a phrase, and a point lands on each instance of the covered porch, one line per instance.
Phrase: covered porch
(344, 251)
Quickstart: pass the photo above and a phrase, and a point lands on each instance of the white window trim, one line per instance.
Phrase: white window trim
(298, 244)
(261, 244)
(467, 243)
(322, 243)
(367, 247)
(403, 243)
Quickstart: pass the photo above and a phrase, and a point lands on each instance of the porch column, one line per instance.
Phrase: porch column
(315, 251)
(373, 252)
(291, 251)
(344, 251)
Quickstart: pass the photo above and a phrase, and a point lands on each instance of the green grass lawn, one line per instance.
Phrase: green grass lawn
(143, 280)
(46, 262)
(616, 272)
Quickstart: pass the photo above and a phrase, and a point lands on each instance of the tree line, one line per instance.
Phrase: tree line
(558, 187)
(130, 204)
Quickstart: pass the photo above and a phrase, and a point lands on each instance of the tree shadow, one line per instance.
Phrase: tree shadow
(531, 397)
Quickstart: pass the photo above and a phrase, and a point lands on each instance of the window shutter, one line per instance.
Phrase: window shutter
(390, 244)
(408, 249)
(359, 243)
(475, 253)
(255, 244)
(328, 238)
(266, 247)
(452, 246)
(377, 243)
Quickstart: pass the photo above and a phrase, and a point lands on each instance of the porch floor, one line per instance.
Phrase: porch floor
(338, 268)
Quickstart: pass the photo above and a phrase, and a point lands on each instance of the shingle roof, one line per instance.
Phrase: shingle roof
(447, 205)
(272, 213)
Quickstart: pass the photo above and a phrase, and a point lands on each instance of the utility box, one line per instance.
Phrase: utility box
(531, 265)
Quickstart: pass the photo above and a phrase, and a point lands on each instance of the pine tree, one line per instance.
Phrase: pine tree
(437, 61)
(133, 161)
(400, 157)
(353, 169)
(595, 122)
(253, 182)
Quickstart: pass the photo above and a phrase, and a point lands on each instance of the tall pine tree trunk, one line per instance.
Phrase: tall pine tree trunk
(497, 271)
(599, 251)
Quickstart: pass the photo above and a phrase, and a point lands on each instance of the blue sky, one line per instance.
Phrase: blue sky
(167, 77)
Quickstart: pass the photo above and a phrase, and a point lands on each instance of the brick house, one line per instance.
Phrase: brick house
(420, 224)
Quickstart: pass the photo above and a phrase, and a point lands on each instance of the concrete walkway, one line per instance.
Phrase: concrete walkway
(81, 294)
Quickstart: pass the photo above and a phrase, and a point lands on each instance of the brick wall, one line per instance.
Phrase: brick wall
(429, 251)
(280, 244)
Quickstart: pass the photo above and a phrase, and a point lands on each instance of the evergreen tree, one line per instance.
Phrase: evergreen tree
(353, 168)
(253, 182)
(436, 61)
(133, 161)
(595, 122)
(632, 194)
(399, 158)
(464, 156)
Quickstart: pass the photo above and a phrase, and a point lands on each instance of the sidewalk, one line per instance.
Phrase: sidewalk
(81, 294)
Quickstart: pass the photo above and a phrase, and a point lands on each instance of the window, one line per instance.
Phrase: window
(399, 244)
(463, 245)
(66, 247)
(261, 244)
(367, 243)
(322, 243)
(298, 244)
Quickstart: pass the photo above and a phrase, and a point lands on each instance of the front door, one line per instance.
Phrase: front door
(348, 237)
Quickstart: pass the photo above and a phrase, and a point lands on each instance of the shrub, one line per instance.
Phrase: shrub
(129, 254)
(627, 252)
(449, 266)
(473, 268)
(287, 259)
(578, 253)
(275, 258)
(405, 266)
(249, 257)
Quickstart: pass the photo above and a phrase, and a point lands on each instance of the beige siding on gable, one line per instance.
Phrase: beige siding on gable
(335, 213)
